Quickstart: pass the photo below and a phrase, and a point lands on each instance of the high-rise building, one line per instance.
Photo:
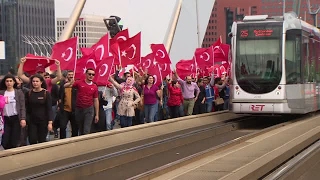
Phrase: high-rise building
(89, 29)
(276, 8)
(224, 12)
(26, 26)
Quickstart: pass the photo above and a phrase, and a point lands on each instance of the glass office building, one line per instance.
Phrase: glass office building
(26, 26)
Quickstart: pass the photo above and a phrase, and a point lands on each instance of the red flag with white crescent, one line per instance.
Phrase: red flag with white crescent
(101, 48)
(186, 68)
(120, 36)
(219, 69)
(34, 63)
(155, 72)
(221, 53)
(66, 53)
(130, 50)
(147, 61)
(83, 64)
(204, 57)
(103, 71)
(161, 54)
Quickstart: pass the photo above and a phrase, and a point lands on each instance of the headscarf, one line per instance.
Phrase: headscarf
(126, 85)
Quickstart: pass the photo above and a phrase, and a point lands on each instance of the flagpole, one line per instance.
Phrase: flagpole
(75, 62)
(119, 56)
(213, 56)
(195, 63)
(198, 26)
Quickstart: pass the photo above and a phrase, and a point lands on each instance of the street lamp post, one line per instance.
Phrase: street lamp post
(313, 14)
(284, 7)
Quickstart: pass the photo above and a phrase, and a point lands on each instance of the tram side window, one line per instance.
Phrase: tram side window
(293, 56)
(311, 61)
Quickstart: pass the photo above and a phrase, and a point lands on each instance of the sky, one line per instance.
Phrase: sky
(95, 7)
(151, 17)
(154, 19)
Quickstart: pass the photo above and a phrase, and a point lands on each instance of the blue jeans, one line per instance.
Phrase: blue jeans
(165, 106)
(108, 113)
(209, 106)
(116, 108)
(150, 111)
(125, 121)
(226, 103)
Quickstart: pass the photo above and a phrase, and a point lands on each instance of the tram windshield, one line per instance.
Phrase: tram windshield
(258, 57)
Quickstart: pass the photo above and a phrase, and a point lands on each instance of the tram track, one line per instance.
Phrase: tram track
(153, 173)
(130, 162)
(299, 165)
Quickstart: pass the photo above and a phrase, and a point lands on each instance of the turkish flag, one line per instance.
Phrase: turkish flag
(203, 72)
(101, 48)
(165, 69)
(221, 53)
(204, 57)
(66, 53)
(103, 71)
(147, 61)
(86, 51)
(130, 50)
(161, 54)
(120, 36)
(154, 70)
(36, 63)
(83, 64)
(186, 68)
(225, 68)
(219, 69)
(217, 43)
(115, 51)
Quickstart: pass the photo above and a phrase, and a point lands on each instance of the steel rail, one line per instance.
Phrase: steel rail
(157, 171)
(136, 148)
(294, 162)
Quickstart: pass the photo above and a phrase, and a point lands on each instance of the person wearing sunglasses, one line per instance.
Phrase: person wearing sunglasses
(87, 102)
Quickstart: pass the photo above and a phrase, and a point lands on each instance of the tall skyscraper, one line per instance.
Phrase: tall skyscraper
(26, 26)
(89, 29)
(224, 12)
(276, 8)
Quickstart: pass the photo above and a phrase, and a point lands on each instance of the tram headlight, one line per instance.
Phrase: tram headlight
(278, 90)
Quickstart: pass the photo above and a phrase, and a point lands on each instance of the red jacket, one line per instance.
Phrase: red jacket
(175, 96)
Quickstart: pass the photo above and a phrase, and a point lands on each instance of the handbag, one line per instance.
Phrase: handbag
(218, 101)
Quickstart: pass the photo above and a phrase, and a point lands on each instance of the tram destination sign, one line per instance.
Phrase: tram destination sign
(254, 32)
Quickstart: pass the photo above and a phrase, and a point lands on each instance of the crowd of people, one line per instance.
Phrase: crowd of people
(44, 103)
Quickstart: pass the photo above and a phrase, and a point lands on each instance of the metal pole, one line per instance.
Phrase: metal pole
(284, 6)
(173, 26)
(198, 28)
(313, 14)
(314, 19)
(72, 21)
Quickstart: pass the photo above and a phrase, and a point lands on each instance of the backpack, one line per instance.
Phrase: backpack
(2, 104)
